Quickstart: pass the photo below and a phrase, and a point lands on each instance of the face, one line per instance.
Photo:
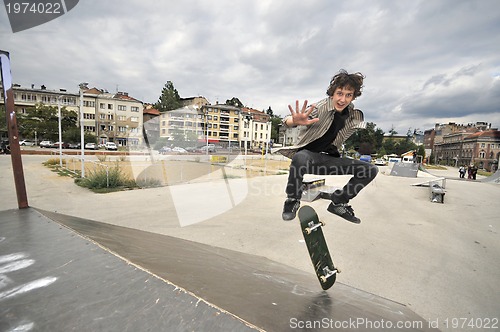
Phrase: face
(342, 97)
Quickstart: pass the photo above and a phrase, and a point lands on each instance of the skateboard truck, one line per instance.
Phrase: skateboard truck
(327, 273)
(312, 226)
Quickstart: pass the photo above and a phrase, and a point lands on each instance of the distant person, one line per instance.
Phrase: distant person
(461, 171)
(474, 172)
(414, 154)
(323, 128)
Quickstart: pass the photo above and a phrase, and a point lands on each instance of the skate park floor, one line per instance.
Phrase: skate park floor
(424, 261)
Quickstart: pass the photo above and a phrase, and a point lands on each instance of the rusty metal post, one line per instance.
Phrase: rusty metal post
(10, 114)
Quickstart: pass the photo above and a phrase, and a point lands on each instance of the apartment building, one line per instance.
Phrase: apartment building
(184, 124)
(29, 97)
(255, 129)
(110, 117)
(223, 124)
(118, 117)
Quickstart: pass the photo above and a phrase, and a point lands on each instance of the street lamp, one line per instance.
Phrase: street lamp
(60, 129)
(82, 133)
(206, 125)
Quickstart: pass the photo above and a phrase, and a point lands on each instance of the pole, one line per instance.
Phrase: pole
(206, 121)
(82, 133)
(60, 130)
(10, 114)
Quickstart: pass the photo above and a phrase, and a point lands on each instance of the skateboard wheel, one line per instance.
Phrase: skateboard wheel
(338, 270)
(322, 223)
(307, 231)
(323, 279)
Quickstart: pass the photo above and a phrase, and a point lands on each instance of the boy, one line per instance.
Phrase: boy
(324, 127)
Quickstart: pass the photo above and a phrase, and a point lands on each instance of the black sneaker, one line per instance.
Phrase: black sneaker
(290, 208)
(343, 210)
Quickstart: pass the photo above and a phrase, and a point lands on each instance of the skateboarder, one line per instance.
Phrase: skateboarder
(324, 127)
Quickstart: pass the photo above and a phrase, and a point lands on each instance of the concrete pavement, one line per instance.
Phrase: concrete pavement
(438, 259)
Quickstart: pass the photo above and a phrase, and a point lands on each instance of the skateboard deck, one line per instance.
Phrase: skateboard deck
(316, 244)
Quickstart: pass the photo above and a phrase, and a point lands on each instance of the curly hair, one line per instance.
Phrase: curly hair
(344, 79)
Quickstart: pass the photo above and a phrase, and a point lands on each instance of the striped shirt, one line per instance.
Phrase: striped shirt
(325, 112)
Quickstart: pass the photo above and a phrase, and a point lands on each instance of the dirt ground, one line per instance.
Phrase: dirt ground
(172, 171)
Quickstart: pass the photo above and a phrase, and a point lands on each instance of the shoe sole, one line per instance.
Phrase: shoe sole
(358, 221)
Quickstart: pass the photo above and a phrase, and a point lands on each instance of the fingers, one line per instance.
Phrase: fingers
(311, 108)
(297, 109)
(303, 106)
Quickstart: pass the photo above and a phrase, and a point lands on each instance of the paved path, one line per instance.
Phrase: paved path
(441, 260)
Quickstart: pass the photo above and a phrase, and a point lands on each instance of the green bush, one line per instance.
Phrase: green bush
(54, 162)
(99, 179)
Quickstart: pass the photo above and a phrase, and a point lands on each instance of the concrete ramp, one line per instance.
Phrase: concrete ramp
(408, 170)
(118, 279)
(494, 178)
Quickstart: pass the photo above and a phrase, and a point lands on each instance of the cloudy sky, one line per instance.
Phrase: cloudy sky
(425, 62)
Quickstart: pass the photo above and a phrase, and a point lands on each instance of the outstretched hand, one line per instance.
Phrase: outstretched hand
(300, 117)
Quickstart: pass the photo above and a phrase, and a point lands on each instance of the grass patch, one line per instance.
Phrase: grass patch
(102, 180)
(54, 162)
(435, 167)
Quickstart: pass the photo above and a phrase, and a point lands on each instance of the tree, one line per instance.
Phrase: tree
(44, 120)
(270, 112)
(366, 141)
(72, 135)
(234, 102)
(421, 151)
(169, 98)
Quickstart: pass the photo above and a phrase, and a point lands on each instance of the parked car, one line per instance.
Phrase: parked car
(165, 150)
(62, 144)
(46, 144)
(74, 145)
(366, 158)
(380, 162)
(25, 142)
(91, 146)
(110, 146)
(179, 150)
(209, 148)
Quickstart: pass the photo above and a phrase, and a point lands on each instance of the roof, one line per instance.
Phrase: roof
(485, 134)
(124, 96)
(151, 111)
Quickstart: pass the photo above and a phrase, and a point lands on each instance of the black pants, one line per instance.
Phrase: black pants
(307, 162)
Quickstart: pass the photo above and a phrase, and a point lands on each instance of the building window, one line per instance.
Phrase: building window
(134, 109)
(110, 106)
(102, 106)
(122, 107)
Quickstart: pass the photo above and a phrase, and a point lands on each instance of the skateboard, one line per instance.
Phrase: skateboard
(316, 244)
